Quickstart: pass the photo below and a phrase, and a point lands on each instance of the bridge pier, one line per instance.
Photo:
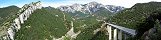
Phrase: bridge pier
(115, 34)
(109, 32)
(120, 35)
(125, 36)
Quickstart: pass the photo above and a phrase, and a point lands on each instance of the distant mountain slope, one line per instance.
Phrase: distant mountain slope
(7, 12)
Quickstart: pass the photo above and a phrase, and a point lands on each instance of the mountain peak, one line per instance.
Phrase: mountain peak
(93, 2)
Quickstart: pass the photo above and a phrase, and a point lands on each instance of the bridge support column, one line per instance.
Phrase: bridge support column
(120, 35)
(125, 36)
(115, 34)
(109, 31)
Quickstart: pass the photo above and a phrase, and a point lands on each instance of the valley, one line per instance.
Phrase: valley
(90, 21)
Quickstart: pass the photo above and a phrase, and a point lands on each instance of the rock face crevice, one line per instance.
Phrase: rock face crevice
(23, 14)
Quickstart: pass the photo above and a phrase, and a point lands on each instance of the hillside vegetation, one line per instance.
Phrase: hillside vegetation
(131, 17)
(7, 13)
(49, 23)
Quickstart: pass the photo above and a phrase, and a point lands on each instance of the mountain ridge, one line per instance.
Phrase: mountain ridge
(90, 7)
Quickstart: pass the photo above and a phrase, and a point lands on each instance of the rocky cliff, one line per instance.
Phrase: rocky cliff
(13, 26)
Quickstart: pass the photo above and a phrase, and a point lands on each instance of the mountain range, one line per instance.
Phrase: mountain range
(90, 7)
(79, 21)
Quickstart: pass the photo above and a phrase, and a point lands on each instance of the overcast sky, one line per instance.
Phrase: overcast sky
(57, 3)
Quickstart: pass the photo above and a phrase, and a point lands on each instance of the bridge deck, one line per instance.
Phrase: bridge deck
(127, 30)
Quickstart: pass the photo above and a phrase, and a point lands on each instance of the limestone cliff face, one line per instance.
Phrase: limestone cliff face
(15, 25)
